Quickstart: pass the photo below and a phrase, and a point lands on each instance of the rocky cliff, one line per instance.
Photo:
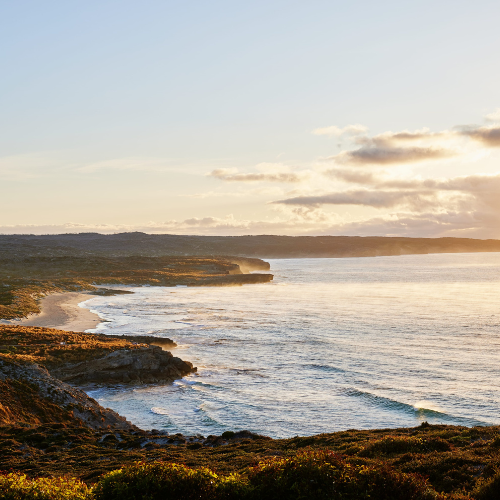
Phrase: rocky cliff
(38, 364)
(30, 395)
(146, 365)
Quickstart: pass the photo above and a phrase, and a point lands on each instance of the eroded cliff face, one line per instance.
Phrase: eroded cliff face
(38, 364)
(146, 365)
(30, 395)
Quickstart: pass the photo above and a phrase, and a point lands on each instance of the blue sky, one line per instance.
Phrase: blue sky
(200, 117)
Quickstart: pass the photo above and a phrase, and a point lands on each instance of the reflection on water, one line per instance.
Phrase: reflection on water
(331, 344)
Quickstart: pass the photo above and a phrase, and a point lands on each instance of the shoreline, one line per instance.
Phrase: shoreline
(61, 311)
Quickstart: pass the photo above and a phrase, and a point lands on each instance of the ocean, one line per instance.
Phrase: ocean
(329, 345)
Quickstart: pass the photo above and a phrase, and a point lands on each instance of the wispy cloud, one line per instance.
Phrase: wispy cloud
(266, 172)
(231, 176)
(397, 138)
(396, 148)
(415, 200)
(390, 155)
(493, 117)
(407, 147)
(28, 166)
(144, 164)
(478, 185)
(349, 130)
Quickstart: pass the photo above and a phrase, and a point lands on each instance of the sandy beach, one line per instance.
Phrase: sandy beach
(61, 310)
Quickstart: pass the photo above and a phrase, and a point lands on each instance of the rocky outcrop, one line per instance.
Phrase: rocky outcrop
(140, 339)
(39, 364)
(231, 280)
(146, 364)
(82, 358)
(248, 264)
(30, 395)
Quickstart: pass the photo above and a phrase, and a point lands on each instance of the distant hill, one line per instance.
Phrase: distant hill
(263, 246)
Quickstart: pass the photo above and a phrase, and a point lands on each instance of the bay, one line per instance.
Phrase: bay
(330, 344)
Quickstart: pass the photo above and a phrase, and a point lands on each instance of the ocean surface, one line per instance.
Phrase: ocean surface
(330, 344)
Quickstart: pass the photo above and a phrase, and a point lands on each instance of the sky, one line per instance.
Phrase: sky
(264, 117)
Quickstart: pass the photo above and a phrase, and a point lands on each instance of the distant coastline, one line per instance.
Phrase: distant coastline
(247, 249)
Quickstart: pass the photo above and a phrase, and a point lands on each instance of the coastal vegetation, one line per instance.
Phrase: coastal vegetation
(250, 467)
(429, 460)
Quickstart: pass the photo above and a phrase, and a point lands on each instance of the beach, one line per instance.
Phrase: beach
(61, 310)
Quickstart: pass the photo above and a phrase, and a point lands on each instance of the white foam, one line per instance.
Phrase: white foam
(159, 411)
(427, 405)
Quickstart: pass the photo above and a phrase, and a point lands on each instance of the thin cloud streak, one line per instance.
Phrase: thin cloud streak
(387, 155)
(387, 139)
(230, 176)
(364, 197)
(349, 130)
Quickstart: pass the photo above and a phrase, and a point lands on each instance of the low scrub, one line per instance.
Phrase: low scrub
(308, 475)
(315, 475)
(325, 475)
(19, 487)
(157, 480)
(398, 444)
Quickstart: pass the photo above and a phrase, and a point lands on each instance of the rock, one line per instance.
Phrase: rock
(141, 339)
(30, 395)
(146, 363)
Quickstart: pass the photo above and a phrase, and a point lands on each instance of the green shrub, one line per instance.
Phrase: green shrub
(233, 487)
(157, 481)
(19, 487)
(326, 476)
